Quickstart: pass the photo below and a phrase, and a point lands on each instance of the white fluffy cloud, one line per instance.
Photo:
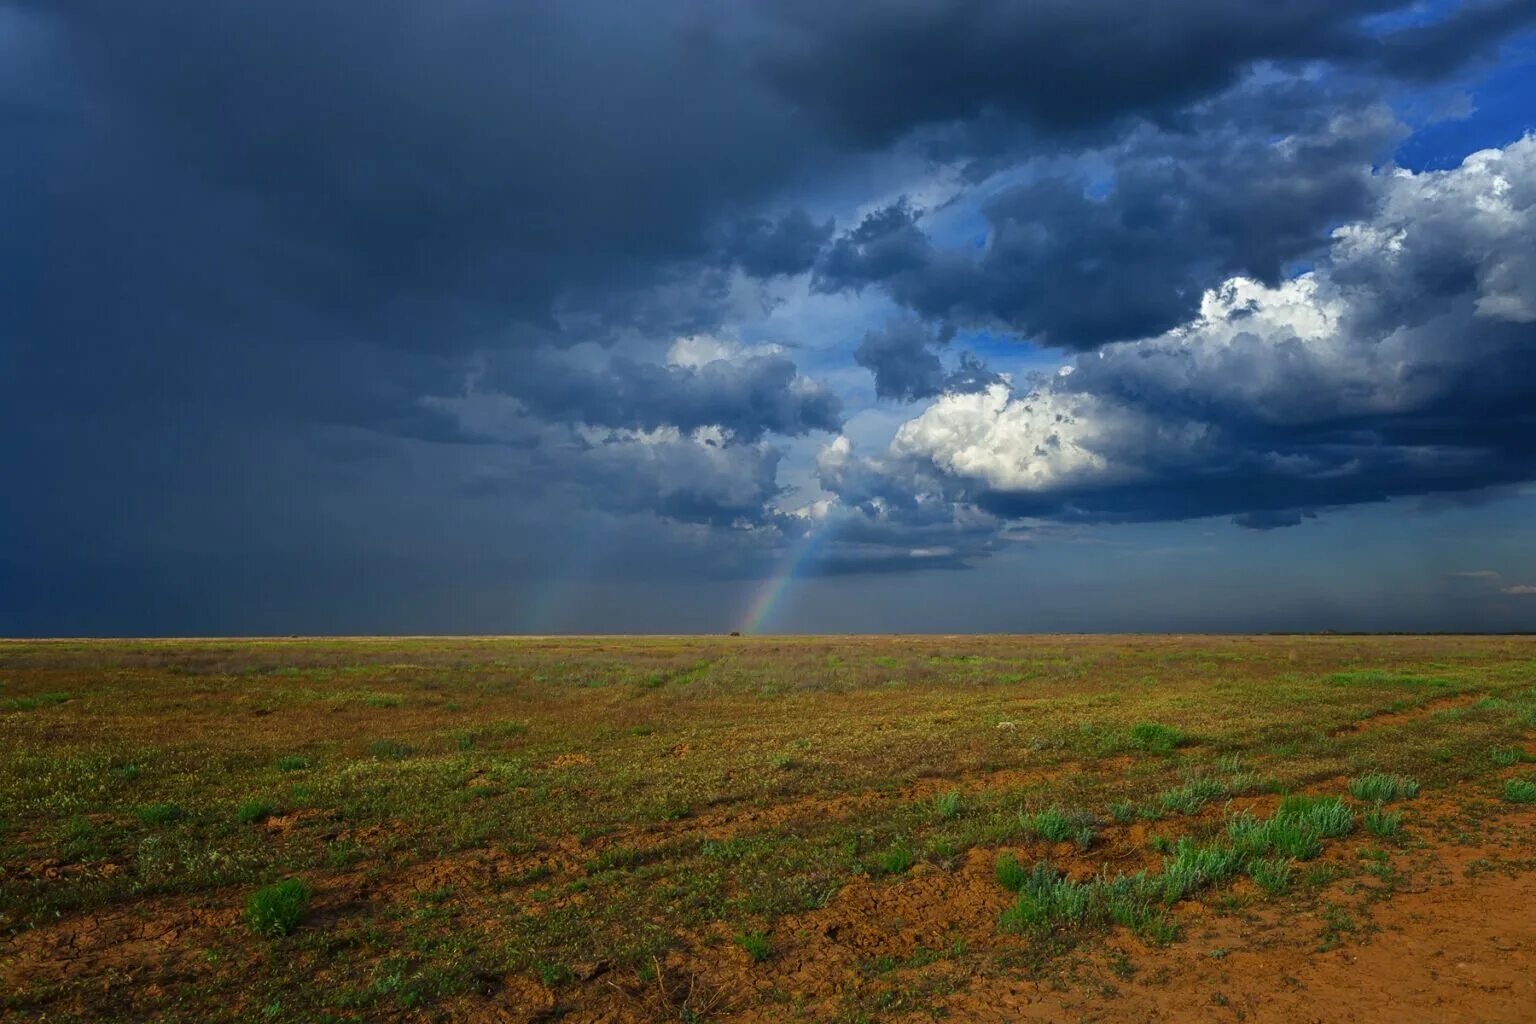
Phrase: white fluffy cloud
(1400, 365)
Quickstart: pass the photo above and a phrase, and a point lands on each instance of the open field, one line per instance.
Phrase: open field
(763, 829)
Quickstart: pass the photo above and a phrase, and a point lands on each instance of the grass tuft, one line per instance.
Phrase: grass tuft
(1057, 825)
(1520, 791)
(756, 944)
(947, 805)
(1272, 874)
(292, 763)
(895, 860)
(159, 814)
(389, 750)
(1380, 788)
(1191, 796)
(1383, 823)
(254, 811)
(1155, 738)
(277, 909)
(1505, 757)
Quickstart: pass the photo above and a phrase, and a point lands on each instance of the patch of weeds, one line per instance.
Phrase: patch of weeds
(1328, 815)
(947, 805)
(1382, 822)
(1194, 866)
(159, 814)
(783, 761)
(127, 773)
(1155, 738)
(756, 944)
(253, 811)
(40, 700)
(894, 860)
(1048, 901)
(1288, 834)
(389, 750)
(1272, 874)
(1123, 812)
(292, 763)
(614, 858)
(277, 909)
(1520, 791)
(1011, 875)
(1191, 796)
(1505, 757)
(1380, 788)
(1056, 825)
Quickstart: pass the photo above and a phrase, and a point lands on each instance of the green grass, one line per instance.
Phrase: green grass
(1383, 823)
(756, 945)
(1520, 791)
(253, 811)
(546, 779)
(1191, 796)
(277, 909)
(1380, 788)
(1505, 757)
(159, 814)
(895, 860)
(1272, 874)
(1155, 738)
(1329, 816)
(1058, 825)
(32, 703)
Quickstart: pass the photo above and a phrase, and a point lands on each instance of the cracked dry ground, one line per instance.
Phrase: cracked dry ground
(613, 853)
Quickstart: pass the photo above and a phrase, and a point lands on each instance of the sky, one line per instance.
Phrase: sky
(485, 316)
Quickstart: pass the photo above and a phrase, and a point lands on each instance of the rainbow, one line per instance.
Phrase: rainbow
(775, 586)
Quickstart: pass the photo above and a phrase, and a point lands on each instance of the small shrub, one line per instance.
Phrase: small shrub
(1272, 874)
(756, 944)
(1381, 788)
(1520, 791)
(388, 750)
(1155, 738)
(1382, 822)
(947, 805)
(253, 811)
(292, 763)
(159, 814)
(277, 909)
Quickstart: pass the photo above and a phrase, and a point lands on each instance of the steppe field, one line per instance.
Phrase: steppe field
(848, 829)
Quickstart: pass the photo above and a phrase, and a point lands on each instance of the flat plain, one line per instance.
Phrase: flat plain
(846, 829)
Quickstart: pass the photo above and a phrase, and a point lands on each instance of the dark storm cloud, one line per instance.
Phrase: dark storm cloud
(748, 394)
(766, 248)
(1185, 209)
(904, 359)
(250, 252)
(1474, 30)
